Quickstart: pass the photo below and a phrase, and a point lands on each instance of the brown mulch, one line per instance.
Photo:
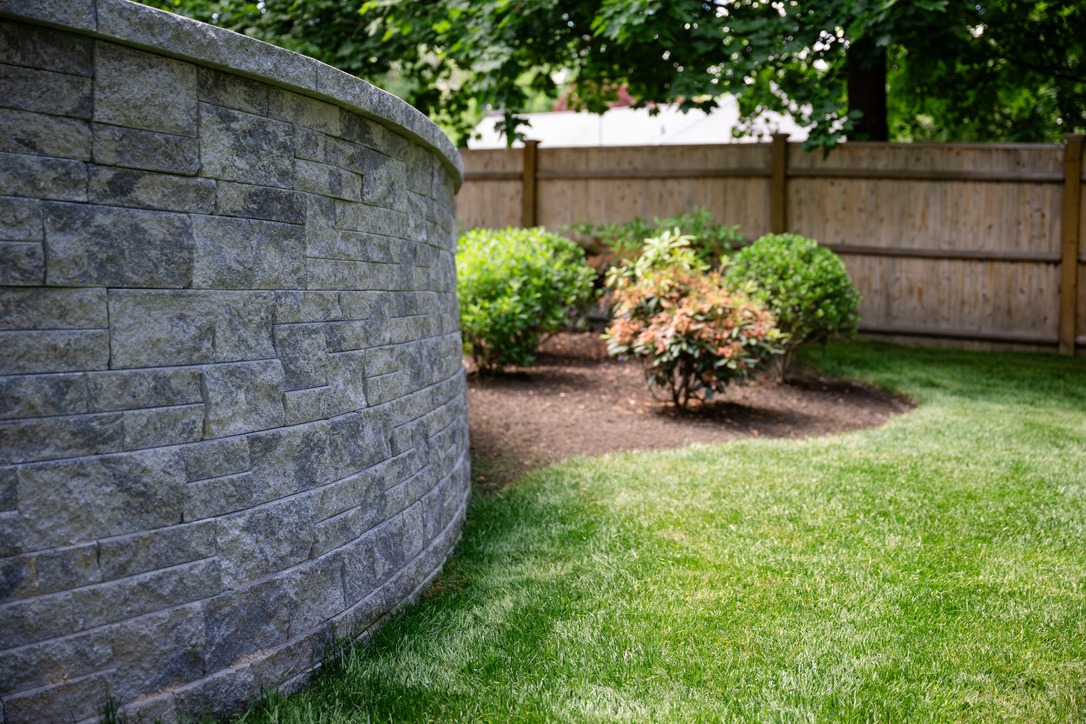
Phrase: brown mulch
(575, 400)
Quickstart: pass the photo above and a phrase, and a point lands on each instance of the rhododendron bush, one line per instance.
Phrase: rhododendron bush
(694, 334)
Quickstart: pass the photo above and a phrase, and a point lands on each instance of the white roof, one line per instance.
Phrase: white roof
(635, 127)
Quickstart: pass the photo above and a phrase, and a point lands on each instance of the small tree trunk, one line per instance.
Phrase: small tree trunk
(866, 64)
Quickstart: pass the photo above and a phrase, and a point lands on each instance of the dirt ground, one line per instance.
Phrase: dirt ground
(575, 400)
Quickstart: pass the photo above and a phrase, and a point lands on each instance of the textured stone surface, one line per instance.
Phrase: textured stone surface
(231, 403)
(136, 89)
(82, 249)
(134, 148)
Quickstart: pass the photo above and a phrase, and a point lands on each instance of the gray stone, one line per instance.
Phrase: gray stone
(317, 586)
(290, 460)
(36, 47)
(134, 389)
(22, 263)
(243, 325)
(350, 335)
(163, 426)
(216, 458)
(78, 699)
(264, 540)
(204, 44)
(385, 182)
(238, 146)
(41, 91)
(23, 441)
(359, 440)
(232, 91)
(219, 496)
(158, 651)
(165, 192)
(332, 274)
(283, 105)
(76, 14)
(370, 219)
(306, 405)
(243, 397)
(53, 351)
(12, 533)
(126, 598)
(20, 219)
(49, 662)
(155, 328)
(129, 555)
(8, 498)
(83, 248)
(137, 89)
(302, 350)
(42, 135)
(158, 328)
(260, 202)
(244, 254)
(147, 150)
(336, 152)
(53, 309)
(46, 572)
(319, 178)
(347, 378)
(242, 622)
(43, 178)
(361, 130)
(355, 246)
(65, 502)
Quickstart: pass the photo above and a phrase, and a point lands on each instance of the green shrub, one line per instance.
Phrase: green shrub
(515, 285)
(693, 334)
(614, 242)
(805, 285)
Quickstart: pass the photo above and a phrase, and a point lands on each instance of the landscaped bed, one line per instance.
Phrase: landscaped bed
(931, 568)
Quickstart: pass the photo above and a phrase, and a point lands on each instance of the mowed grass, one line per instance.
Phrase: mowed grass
(933, 569)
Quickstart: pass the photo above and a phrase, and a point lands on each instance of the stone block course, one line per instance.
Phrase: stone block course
(41, 135)
(43, 91)
(231, 404)
(137, 89)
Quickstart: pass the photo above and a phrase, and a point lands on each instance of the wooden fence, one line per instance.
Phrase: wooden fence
(958, 241)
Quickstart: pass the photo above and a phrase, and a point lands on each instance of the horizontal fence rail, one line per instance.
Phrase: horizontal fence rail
(971, 242)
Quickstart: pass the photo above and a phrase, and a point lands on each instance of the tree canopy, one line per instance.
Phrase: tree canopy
(984, 70)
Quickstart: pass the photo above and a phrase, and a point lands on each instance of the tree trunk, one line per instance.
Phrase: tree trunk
(867, 90)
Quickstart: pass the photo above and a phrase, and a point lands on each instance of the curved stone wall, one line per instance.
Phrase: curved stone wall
(232, 407)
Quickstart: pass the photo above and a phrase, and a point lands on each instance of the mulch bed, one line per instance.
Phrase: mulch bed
(576, 401)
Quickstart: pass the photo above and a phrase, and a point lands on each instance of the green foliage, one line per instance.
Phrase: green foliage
(515, 285)
(708, 239)
(805, 285)
(694, 336)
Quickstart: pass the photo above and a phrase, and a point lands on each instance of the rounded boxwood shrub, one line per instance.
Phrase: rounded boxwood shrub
(805, 285)
(515, 285)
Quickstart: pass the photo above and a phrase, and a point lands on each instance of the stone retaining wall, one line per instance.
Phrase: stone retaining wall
(232, 406)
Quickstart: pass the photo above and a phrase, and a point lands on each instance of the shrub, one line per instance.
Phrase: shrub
(614, 242)
(515, 286)
(805, 285)
(694, 335)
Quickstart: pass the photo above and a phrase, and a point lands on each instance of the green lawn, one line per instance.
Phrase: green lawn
(932, 569)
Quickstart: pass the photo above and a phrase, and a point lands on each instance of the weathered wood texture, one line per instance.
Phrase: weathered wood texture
(958, 241)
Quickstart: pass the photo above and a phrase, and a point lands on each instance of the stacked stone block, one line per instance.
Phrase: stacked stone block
(232, 406)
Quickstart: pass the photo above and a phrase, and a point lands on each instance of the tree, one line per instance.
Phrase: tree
(907, 69)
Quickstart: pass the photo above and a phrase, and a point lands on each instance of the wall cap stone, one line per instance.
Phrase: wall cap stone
(139, 26)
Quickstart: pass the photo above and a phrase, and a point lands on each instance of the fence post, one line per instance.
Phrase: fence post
(778, 184)
(1069, 234)
(528, 185)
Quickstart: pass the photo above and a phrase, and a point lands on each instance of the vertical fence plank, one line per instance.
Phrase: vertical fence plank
(529, 194)
(1072, 185)
(778, 186)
